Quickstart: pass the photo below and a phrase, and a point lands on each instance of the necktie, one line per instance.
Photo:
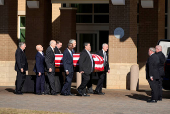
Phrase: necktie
(60, 51)
(104, 58)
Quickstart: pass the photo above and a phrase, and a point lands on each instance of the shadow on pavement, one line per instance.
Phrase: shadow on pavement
(138, 97)
(10, 90)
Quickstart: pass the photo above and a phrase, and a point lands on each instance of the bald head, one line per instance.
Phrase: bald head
(39, 48)
(158, 48)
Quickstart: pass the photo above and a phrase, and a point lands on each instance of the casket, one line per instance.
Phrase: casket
(98, 60)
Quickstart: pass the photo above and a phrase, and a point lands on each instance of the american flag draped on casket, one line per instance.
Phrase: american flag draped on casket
(97, 59)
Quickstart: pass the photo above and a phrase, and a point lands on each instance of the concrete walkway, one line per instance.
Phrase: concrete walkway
(113, 102)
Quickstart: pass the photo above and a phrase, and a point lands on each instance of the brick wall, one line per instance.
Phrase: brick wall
(151, 29)
(38, 29)
(56, 21)
(8, 30)
(122, 52)
(8, 42)
(21, 5)
(67, 26)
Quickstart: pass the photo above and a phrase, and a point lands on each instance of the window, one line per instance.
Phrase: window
(22, 28)
(92, 13)
(88, 37)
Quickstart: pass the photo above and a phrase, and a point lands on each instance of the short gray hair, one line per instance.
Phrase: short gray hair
(21, 43)
(51, 42)
(86, 43)
(71, 41)
(104, 44)
(152, 49)
(69, 44)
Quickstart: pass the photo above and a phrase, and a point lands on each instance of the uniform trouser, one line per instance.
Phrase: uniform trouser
(154, 85)
(40, 83)
(67, 86)
(85, 82)
(160, 89)
(102, 76)
(58, 81)
(20, 79)
(51, 84)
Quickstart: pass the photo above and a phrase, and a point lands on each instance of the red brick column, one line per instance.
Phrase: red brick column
(67, 25)
(38, 29)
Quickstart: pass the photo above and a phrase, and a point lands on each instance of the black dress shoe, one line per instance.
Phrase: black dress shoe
(46, 93)
(79, 93)
(54, 94)
(38, 93)
(71, 94)
(85, 95)
(152, 101)
(19, 93)
(98, 93)
(101, 93)
(64, 94)
(90, 92)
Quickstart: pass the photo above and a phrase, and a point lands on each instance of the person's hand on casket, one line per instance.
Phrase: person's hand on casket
(82, 72)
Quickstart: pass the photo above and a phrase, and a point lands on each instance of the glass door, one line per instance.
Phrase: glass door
(92, 38)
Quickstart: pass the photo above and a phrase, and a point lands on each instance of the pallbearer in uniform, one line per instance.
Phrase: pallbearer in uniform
(58, 75)
(103, 53)
(21, 66)
(39, 69)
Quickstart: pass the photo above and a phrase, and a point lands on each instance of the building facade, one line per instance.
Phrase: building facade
(130, 27)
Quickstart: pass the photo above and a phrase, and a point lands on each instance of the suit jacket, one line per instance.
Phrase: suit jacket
(50, 59)
(67, 61)
(85, 63)
(161, 64)
(73, 51)
(20, 60)
(40, 63)
(56, 50)
(100, 53)
(152, 67)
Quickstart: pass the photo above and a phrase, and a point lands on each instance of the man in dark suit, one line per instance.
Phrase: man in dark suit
(68, 68)
(58, 75)
(152, 74)
(21, 66)
(50, 64)
(161, 68)
(86, 66)
(103, 53)
(39, 69)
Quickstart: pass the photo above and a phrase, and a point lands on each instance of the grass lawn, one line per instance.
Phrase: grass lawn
(23, 111)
